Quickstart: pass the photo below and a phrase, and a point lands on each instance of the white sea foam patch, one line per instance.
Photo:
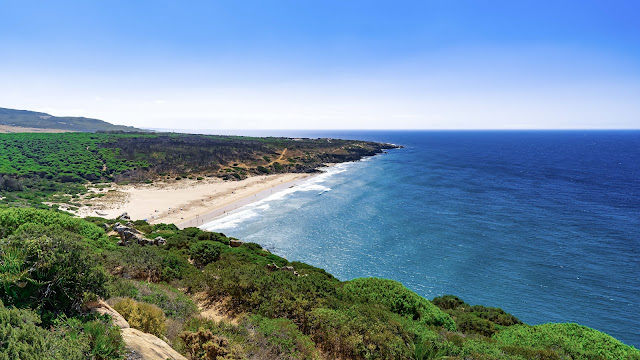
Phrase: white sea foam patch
(230, 221)
(236, 217)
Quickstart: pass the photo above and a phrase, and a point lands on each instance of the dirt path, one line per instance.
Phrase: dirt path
(280, 158)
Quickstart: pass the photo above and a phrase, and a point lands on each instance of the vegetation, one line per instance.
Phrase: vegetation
(477, 318)
(50, 263)
(49, 266)
(54, 168)
(142, 316)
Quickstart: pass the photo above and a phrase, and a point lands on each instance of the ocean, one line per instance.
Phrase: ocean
(543, 224)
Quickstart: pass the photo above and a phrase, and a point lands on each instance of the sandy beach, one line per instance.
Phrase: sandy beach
(185, 202)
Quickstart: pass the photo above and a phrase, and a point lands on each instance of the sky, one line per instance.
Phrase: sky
(326, 64)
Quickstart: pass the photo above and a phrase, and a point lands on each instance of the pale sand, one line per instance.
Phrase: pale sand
(8, 129)
(185, 202)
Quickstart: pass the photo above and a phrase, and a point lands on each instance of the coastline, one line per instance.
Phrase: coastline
(185, 202)
(245, 199)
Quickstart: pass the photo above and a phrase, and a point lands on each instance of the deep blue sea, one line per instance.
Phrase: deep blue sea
(544, 224)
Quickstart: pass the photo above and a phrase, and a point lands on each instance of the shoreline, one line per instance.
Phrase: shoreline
(185, 202)
(214, 213)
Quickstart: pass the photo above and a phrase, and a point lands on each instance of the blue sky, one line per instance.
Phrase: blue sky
(326, 64)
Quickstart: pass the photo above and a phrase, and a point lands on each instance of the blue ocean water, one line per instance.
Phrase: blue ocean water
(545, 225)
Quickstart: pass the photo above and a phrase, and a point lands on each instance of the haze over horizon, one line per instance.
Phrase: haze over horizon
(326, 65)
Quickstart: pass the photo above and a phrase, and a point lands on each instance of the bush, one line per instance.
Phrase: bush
(49, 268)
(170, 227)
(361, 332)
(476, 319)
(142, 316)
(237, 337)
(103, 339)
(576, 341)
(21, 338)
(396, 298)
(173, 302)
(11, 219)
(281, 339)
(205, 252)
(149, 263)
(204, 345)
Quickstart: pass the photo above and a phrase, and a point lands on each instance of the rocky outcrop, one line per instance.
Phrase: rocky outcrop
(274, 267)
(148, 347)
(129, 234)
(103, 308)
(235, 243)
(159, 241)
(140, 345)
(124, 217)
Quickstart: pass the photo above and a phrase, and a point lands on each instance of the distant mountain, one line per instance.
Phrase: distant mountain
(33, 119)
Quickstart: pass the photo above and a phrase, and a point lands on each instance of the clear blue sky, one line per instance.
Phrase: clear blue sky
(446, 64)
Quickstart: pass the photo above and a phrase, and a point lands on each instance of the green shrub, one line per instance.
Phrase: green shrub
(281, 339)
(476, 319)
(579, 342)
(103, 339)
(360, 332)
(142, 316)
(149, 263)
(119, 287)
(396, 298)
(49, 268)
(11, 219)
(173, 302)
(205, 252)
(21, 337)
(170, 227)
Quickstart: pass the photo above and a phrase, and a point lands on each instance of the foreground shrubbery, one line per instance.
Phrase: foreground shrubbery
(50, 262)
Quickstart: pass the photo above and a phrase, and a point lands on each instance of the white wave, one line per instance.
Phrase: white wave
(236, 217)
(230, 221)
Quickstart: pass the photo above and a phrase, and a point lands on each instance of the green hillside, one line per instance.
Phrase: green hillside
(51, 263)
(33, 119)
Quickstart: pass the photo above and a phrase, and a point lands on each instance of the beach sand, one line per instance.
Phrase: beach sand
(184, 202)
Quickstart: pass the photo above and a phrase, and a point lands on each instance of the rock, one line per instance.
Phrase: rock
(235, 243)
(145, 241)
(130, 224)
(287, 268)
(129, 235)
(272, 267)
(103, 308)
(149, 347)
(124, 216)
(119, 228)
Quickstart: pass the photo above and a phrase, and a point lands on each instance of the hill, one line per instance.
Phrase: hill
(39, 120)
